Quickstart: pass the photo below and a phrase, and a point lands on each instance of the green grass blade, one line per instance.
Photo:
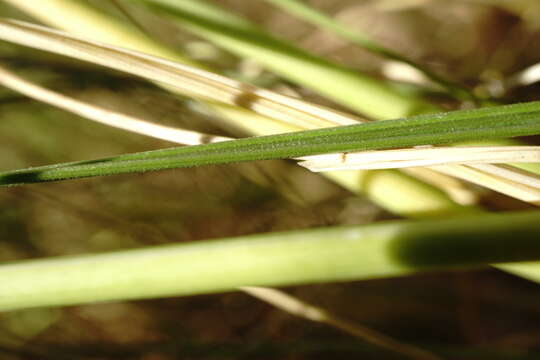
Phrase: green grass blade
(310, 256)
(346, 86)
(323, 21)
(497, 122)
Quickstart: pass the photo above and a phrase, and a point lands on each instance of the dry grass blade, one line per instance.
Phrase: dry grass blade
(506, 179)
(103, 116)
(308, 311)
(524, 77)
(474, 164)
(430, 156)
(190, 81)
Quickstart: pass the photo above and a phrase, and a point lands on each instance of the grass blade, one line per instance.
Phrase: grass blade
(402, 158)
(311, 312)
(82, 18)
(499, 122)
(330, 254)
(509, 180)
(103, 116)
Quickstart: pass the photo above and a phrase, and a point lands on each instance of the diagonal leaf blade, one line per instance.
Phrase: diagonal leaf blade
(498, 122)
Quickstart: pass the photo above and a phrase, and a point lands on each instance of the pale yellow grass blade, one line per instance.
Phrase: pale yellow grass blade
(506, 179)
(524, 77)
(103, 116)
(190, 81)
(415, 157)
(479, 165)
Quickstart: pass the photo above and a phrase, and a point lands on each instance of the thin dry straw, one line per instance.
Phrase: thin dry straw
(311, 312)
(480, 165)
(518, 183)
(191, 81)
(107, 117)
(430, 156)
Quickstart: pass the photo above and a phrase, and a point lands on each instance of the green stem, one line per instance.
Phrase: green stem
(321, 255)
(324, 21)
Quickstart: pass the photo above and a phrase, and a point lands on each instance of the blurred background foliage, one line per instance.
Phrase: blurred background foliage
(466, 315)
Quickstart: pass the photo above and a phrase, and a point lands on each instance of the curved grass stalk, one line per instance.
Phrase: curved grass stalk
(330, 254)
(103, 116)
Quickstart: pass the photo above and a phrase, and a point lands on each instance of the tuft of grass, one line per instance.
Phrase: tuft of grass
(359, 92)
